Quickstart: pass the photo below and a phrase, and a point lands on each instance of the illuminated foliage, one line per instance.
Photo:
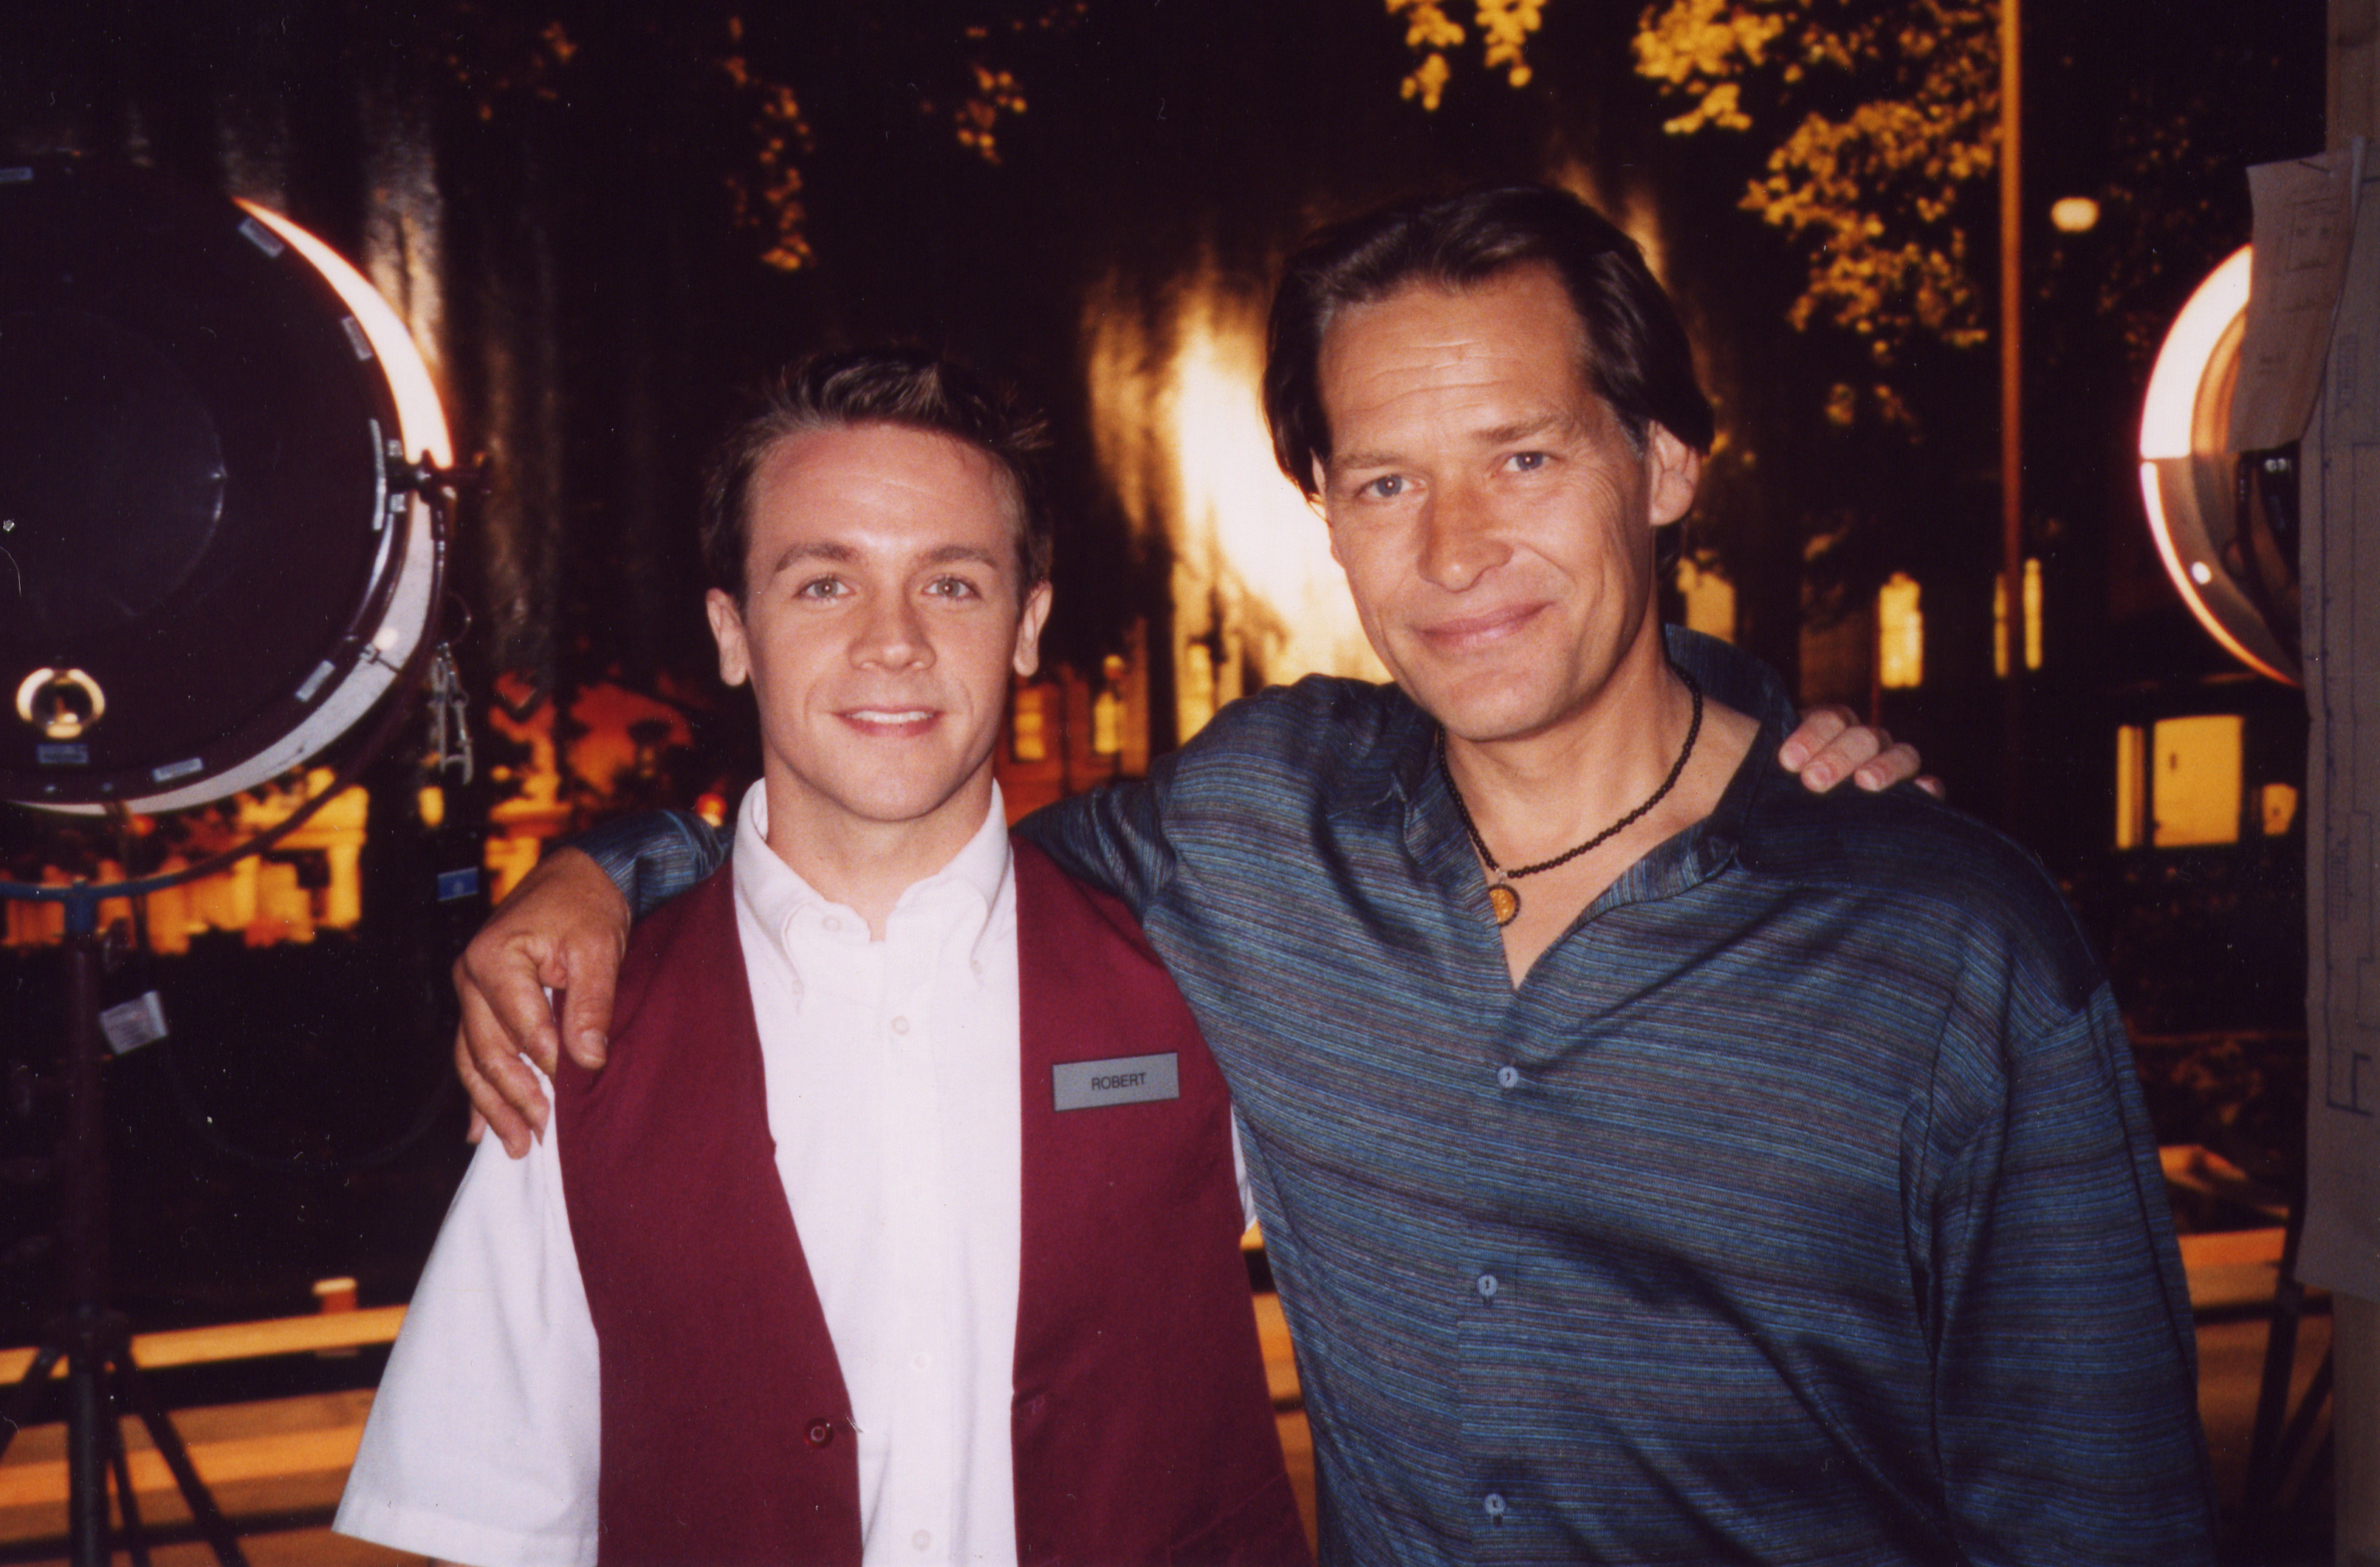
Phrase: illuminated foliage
(993, 90)
(767, 197)
(952, 64)
(965, 64)
(995, 94)
(1894, 117)
(492, 55)
(1505, 28)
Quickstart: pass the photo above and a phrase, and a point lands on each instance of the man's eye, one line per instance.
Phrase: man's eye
(1527, 462)
(952, 587)
(1388, 487)
(820, 587)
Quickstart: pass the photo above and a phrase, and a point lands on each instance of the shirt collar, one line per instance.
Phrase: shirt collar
(1409, 751)
(779, 897)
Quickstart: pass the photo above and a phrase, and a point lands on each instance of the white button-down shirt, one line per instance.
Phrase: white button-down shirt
(891, 1071)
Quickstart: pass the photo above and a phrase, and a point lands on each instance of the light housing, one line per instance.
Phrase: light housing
(2189, 481)
(210, 428)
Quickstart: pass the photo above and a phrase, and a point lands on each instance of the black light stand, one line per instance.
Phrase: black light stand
(103, 1381)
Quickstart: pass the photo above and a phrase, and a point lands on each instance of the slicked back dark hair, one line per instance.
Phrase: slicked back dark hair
(1637, 356)
(839, 389)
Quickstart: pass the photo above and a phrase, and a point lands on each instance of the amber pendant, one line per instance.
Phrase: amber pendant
(1504, 902)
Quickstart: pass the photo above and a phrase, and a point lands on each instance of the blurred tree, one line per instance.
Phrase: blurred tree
(1898, 124)
(1505, 28)
(1881, 123)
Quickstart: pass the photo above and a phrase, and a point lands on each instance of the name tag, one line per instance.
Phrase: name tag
(1128, 1079)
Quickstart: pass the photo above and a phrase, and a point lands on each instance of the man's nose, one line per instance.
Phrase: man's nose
(892, 635)
(1460, 540)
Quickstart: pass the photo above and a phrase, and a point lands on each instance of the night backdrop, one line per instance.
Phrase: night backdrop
(602, 221)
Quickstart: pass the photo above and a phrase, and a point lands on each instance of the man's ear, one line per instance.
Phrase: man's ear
(1674, 470)
(1028, 628)
(727, 631)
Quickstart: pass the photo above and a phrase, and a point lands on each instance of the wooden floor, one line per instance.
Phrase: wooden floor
(269, 1462)
(276, 1467)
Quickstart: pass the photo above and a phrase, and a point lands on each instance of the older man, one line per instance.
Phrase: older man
(1659, 1164)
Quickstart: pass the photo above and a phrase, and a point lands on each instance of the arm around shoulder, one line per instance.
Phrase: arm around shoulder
(1830, 743)
(1113, 838)
(563, 930)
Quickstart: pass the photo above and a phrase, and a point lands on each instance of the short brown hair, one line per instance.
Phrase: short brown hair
(906, 386)
(1637, 356)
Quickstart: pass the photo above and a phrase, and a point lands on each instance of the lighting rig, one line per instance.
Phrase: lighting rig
(226, 489)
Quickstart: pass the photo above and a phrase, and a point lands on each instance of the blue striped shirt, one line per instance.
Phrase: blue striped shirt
(1799, 1207)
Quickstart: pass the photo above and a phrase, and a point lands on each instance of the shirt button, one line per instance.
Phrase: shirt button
(821, 1432)
(1493, 1504)
(920, 1360)
(923, 1539)
(833, 922)
(975, 964)
(1488, 1286)
(900, 1025)
(1508, 1076)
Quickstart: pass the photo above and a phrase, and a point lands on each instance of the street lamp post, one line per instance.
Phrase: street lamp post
(2011, 612)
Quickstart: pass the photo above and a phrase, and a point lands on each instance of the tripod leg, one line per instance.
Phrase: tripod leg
(203, 1510)
(27, 1391)
(90, 1415)
(92, 1336)
(127, 1505)
(2268, 1463)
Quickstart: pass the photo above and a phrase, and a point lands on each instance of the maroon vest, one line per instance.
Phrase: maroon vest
(1141, 1428)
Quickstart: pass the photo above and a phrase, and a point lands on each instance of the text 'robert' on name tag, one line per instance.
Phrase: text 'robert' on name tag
(1127, 1079)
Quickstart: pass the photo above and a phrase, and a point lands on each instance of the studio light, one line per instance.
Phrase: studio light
(2222, 554)
(213, 559)
(224, 481)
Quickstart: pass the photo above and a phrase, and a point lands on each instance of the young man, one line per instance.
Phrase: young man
(1657, 1164)
(906, 1228)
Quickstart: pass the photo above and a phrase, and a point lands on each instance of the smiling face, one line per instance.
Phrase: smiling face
(1495, 524)
(883, 615)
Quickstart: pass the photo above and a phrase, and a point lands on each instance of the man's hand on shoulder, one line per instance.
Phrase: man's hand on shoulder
(563, 930)
(1832, 744)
